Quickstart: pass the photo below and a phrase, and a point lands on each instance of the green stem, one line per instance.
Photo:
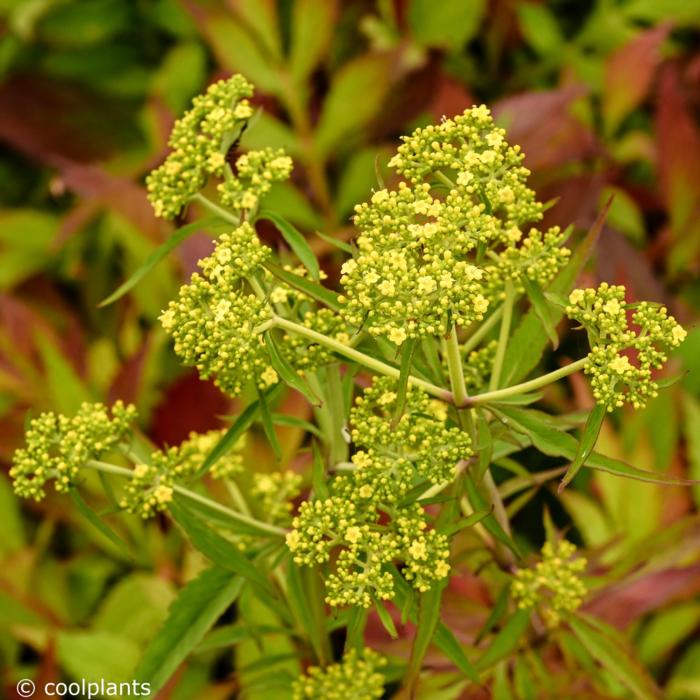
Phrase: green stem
(214, 208)
(503, 336)
(454, 366)
(530, 385)
(482, 331)
(192, 496)
(360, 357)
(444, 179)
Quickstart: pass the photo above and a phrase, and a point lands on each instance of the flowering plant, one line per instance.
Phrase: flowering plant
(418, 375)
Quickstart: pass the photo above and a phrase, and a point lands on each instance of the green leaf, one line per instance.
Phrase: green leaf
(295, 422)
(556, 443)
(499, 609)
(426, 624)
(506, 641)
(230, 635)
(304, 607)
(362, 83)
(336, 242)
(99, 524)
(609, 652)
(296, 242)
(479, 503)
(357, 620)
(25, 243)
(464, 523)
(313, 24)
(588, 441)
(196, 609)
(540, 29)
(452, 649)
(445, 24)
(541, 308)
(156, 256)
(318, 473)
(63, 385)
(95, 655)
(12, 534)
(268, 427)
(230, 438)
(385, 618)
(485, 446)
(287, 373)
(237, 51)
(218, 550)
(313, 289)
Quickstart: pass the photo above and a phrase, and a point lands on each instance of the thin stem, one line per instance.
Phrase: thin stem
(237, 497)
(481, 332)
(214, 208)
(499, 510)
(530, 385)
(192, 496)
(454, 366)
(503, 336)
(444, 179)
(437, 489)
(360, 357)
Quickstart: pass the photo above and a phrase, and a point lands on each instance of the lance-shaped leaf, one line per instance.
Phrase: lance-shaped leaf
(296, 242)
(506, 641)
(156, 256)
(589, 438)
(287, 373)
(313, 289)
(541, 308)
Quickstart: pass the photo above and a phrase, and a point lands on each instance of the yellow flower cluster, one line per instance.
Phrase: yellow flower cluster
(58, 446)
(213, 320)
(151, 487)
(365, 516)
(622, 359)
(355, 678)
(200, 140)
(255, 173)
(553, 584)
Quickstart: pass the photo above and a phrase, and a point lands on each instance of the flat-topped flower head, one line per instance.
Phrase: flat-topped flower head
(151, 487)
(57, 446)
(355, 678)
(554, 584)
(421, 438)
(407, 278)
(623, 358)
(200, 140)
(254, 174)
(475, 155)
(213, 320)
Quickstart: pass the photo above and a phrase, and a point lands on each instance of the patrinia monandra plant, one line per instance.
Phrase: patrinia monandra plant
(413, 391)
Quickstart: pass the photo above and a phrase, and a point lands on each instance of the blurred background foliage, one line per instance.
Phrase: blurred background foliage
(604, 98)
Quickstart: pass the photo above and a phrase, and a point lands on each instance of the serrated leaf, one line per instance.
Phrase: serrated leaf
(230, 437)
(303, 606)
(506, 641)
(385, 618)
(426, 624)
(479, 503)
(195, 611)
(556, 443)
(312, 29)
(97, 522)
(539, 304)
(445, 24)
(313, 289)
(155, 257)
(452, 649)
(287, 373)
(296, 242)
(611, 654)
(362, 83)
(218, 550)
(589, 437)
(229, 635)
